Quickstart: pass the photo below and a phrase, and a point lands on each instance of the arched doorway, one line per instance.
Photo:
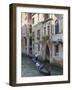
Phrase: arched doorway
(47, 59)
(47, 56)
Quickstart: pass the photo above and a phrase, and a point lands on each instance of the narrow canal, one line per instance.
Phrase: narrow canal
(28, 69)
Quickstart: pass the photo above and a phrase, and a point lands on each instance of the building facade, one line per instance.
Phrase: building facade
(45, 37)
(26, 34)
(57, 40)
(48, 37)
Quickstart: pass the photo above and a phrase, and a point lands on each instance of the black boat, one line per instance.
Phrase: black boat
(42, 66)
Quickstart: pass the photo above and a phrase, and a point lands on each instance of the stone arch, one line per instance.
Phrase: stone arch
(47, 51)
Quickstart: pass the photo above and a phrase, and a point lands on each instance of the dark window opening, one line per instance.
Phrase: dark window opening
(56, 27)
(38, 34)
(56, 50)
(33, 20)
(47, 50)
(48, 30)
(38, 47)
(33, 46)
(44, 30)
(25, 41)
(30, 41)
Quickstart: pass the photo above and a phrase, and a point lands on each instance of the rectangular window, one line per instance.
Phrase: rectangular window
(38, 34)
(56, 50)
(44, 30)
(33, 46)
(33, 36)
(38, 47)
(25, 40)
(33, 21)
(30, 41)
(56, 27)
(48, 28)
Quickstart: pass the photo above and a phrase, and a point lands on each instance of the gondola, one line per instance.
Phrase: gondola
(41, 66)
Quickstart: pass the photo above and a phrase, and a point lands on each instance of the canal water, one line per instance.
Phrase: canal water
(28, 68)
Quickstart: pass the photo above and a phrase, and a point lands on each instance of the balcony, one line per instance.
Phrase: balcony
(57, 38)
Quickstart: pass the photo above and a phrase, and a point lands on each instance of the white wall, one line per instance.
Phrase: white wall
(4, 45)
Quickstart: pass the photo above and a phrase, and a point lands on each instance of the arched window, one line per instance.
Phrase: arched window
(56, 27)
